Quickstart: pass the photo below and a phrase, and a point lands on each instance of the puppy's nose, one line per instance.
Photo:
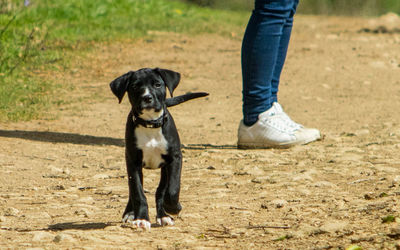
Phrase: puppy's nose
(147, 98)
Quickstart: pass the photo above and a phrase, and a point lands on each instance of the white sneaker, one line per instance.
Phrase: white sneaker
(275, 129)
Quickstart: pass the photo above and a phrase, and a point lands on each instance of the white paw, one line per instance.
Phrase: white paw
(129, 217)
(144, 224)
(165, 221)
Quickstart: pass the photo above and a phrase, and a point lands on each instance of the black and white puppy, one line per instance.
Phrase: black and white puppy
(152, 142)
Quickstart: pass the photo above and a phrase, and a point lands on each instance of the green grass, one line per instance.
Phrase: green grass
(46, 34)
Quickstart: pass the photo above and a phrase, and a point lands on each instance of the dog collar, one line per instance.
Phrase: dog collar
(151, 123)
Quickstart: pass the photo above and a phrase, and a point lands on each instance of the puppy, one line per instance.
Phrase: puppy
(152, 142)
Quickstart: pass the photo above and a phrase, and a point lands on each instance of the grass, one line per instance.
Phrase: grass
(45, 35)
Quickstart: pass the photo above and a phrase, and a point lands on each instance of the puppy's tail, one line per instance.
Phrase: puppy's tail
(183, 98)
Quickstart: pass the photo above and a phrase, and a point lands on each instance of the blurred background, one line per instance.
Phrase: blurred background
(40, 37)
(325, 7)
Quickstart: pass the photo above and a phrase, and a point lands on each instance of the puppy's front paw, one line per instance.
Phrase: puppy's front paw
(144, 224)
(165, 221)
(129, 217)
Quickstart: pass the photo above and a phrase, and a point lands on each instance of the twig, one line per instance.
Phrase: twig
(8, 24)
(223, 236)
(238, 208)
(207, 146)
(265, 226)
(226, 230)
(215, 230)
(26, 52)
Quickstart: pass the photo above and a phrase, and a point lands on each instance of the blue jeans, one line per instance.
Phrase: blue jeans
(264, 48)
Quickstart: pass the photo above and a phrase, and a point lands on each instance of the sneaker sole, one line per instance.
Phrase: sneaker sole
(281, 146)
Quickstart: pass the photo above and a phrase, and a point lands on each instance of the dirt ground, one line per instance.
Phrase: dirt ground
(63, 181)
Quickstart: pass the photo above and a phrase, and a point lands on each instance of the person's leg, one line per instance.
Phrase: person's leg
(264, 48)
(282, 51)
(260, 48)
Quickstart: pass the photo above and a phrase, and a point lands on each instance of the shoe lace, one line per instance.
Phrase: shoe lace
(277, 121)
(287, 120)
(290, 122)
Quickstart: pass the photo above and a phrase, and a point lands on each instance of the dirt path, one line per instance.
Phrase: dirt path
(63, 182)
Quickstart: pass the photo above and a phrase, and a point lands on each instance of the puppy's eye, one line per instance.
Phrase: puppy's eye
(157, 85)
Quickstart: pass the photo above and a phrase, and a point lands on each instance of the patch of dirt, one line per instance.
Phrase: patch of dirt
(63, 182)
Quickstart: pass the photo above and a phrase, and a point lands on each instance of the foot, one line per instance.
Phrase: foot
(172, 208)
(275, 129)
(165, 221)
(130, 218)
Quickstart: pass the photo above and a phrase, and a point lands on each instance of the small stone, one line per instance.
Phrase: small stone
(256, 171)
(66, 171)
(59, 187)
(87, 199)
(334, 226)
(369, 196)
(303, 177)
(279, 203)
(63, 238)
(84, 212)
(55, 170)
(324, 184)
(231, 184)
(40, 215)
(205, 154)
(361, 132)
(256, 180)
(84, 165)
(11, 211)
(3, 219)
(101, 176)
(394, 232)
(42, 236)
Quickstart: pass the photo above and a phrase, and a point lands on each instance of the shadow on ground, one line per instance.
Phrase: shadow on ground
(57, 137)
(79, 226)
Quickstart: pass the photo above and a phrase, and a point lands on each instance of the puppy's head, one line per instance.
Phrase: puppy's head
(146, 90)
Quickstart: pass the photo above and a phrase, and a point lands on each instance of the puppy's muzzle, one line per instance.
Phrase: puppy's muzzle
(147, 99)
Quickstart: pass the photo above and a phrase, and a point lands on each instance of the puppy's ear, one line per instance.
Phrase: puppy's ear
(171, 78)
(120, 85)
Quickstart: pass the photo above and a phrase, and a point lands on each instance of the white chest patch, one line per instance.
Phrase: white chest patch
(153, 145)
